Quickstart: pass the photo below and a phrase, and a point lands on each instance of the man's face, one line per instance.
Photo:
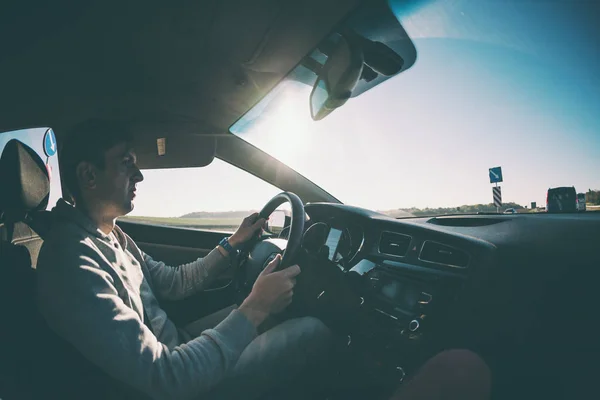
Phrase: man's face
(116, 183)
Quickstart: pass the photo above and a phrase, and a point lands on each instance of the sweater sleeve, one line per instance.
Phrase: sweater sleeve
(79, 300)
(176, 283)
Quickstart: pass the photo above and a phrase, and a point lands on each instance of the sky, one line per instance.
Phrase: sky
(496, 83)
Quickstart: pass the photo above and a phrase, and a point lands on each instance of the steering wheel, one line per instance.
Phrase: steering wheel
(319, 289)
(259, 253)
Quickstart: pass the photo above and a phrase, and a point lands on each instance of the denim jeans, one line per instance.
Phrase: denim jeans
(273, 360)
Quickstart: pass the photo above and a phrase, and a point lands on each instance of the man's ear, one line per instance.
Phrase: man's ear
(86, 175)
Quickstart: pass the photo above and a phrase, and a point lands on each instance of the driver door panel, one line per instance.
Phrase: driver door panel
(176, 246)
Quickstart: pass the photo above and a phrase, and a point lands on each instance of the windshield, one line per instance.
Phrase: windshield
(509, 84)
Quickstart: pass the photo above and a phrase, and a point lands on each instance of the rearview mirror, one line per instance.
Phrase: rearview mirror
(337, 77)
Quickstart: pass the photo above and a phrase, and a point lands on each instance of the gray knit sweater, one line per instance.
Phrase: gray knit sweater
(92, 292)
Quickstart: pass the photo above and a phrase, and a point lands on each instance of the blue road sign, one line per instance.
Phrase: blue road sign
(49, 143)
(495, 174)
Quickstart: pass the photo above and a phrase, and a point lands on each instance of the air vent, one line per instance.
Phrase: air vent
(395, 244)
(443, 255)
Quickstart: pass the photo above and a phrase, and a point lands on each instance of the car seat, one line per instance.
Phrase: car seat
(24, 194)
(34, 362)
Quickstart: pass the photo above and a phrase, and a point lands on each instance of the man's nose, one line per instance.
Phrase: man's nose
(138, 176)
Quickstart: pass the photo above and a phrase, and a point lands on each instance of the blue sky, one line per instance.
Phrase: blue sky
(508, 83)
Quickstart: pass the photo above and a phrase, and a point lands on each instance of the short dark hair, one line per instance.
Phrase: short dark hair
(88, 142)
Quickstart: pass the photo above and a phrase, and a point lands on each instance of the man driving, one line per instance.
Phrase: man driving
(98, 291)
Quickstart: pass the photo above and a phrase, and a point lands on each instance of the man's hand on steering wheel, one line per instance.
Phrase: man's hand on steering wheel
(258, 253)
(251, 227)
(272, 292)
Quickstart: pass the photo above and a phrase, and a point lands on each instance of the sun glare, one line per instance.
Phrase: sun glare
(286, 130)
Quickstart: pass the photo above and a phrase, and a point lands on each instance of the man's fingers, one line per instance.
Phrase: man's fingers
(260, 223)
(287, 285)
(292, 271)
(272, 265)
(252, 217)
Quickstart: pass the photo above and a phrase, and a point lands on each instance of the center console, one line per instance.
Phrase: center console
(401, 300)
(404, 308)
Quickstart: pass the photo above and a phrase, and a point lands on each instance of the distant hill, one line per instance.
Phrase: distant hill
(464, 209)
(219, 214)
(399, 213)
(396, 213)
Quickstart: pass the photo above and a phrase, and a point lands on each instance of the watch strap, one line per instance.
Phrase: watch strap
(227, 246)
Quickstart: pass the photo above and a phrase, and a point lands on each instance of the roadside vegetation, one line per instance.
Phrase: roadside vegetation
(228, 221)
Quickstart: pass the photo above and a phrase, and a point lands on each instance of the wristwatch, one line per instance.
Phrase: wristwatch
(227, 246)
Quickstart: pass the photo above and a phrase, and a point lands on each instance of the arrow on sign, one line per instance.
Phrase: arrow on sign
(52, 145)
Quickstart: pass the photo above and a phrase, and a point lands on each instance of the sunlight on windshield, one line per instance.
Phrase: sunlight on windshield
(480, 95)
(293, 142)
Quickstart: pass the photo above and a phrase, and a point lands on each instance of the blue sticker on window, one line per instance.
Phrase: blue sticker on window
(49, 143)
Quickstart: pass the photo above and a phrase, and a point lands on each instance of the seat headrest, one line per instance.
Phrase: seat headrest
(24, 181)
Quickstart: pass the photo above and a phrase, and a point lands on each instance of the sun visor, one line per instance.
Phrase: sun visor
(174, 151)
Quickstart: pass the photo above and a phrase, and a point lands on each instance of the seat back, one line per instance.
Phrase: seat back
(25, 189)
(35, 362)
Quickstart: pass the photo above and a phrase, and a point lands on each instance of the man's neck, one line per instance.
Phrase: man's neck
(105, 223)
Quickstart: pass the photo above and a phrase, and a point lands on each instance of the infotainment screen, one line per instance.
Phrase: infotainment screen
(403, 294)
(333, 240)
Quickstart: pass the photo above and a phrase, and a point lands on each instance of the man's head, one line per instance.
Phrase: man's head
(99, 168)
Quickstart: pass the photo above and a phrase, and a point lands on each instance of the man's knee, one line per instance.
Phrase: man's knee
(451, 374)
(309, 335)
(460, 365)
(314, 329)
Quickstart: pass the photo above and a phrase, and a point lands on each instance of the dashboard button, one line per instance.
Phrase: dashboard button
(425, 298)
(401, 374)
(414, 325)
(375, 282)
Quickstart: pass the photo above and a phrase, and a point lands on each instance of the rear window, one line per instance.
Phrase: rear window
(563, 191)
(34, 138)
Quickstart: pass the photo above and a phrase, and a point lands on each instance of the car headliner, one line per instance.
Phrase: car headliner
(199, 63)
(182, 67)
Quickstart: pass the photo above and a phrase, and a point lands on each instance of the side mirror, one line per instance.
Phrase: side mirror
(276, 222)
(337, 77)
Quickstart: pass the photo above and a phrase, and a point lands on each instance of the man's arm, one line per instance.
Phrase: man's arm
(79, 301)
(176, 283)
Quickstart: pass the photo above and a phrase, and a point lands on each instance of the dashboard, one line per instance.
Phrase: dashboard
(484, 282)
(406, 279)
